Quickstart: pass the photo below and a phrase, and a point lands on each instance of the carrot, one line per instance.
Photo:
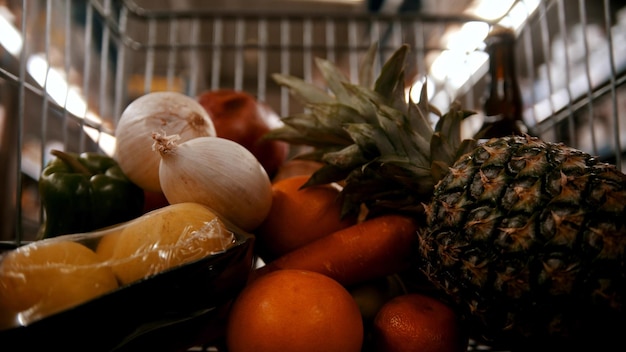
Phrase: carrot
(373, 248)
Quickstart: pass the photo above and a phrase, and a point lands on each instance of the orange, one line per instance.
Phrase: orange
(294, 310)
(299, 216)
(417, 322)
(47, 277)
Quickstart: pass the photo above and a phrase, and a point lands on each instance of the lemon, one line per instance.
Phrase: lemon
(167, 237)
(107, 244)
(47, 277)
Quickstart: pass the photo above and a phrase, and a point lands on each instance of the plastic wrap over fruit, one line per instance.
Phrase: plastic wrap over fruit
(48, 278)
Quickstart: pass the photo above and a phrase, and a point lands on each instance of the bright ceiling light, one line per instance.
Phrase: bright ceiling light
(531, 5)
(475, 60)
(517, 16)
(439, 67)
(448, 64)
(469, 37)
(519, 13)
(10, 39)
(492, 9)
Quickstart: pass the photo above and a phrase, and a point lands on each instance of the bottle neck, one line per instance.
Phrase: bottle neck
(503, 104)
(503, 94)
(502, 69)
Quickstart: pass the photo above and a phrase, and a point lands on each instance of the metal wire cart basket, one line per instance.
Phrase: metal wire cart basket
(69, 68)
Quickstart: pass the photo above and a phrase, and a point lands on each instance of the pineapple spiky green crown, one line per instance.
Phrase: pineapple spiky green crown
(368, 134)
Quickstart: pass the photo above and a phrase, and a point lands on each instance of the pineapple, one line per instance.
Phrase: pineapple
(383, 147)
(530, 237)
(526, 237)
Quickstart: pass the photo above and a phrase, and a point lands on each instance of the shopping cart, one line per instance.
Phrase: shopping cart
(69, 68)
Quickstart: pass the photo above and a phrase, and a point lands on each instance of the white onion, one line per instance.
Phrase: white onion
(218, 173)
(170, 112)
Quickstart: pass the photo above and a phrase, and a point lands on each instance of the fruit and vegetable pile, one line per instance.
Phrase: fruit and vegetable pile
(385, 234)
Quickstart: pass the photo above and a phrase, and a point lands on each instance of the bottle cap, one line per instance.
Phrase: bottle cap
(500, 34)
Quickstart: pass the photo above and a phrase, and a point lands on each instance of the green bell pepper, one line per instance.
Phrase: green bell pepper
(86, 192)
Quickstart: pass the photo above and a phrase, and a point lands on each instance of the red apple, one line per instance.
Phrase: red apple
(240, 117)
(153, 201)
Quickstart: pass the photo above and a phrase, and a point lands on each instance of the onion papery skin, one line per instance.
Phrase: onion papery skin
(167, 112)
(220, 174)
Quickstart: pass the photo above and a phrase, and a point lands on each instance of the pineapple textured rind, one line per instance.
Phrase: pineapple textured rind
(529, 238)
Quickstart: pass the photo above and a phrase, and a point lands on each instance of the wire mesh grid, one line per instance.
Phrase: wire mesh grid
(79, 63)
(574, 69)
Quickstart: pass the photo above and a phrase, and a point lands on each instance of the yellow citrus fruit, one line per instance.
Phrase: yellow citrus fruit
(294, 310)
(417, 322)
(165, 238)
(47, 277)
(299, 216)
(107, 244)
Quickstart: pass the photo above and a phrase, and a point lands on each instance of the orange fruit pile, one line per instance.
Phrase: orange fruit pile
(294, 310)
(299, 216)
(312, 294)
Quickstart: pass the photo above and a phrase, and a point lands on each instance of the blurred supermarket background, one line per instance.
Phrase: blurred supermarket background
(69, 67)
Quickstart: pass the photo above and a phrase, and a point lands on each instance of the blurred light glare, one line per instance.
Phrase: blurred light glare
(475, 60)
(492, 9)
(531, 5)
(105, 141)
(37, 67)
(449, 64)
(55, 84)
(416, 89)
(439, 67)
(516, 17)
(10, 37)
(441, 100)
(453, 68)
(469, 37)
(458, 80)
